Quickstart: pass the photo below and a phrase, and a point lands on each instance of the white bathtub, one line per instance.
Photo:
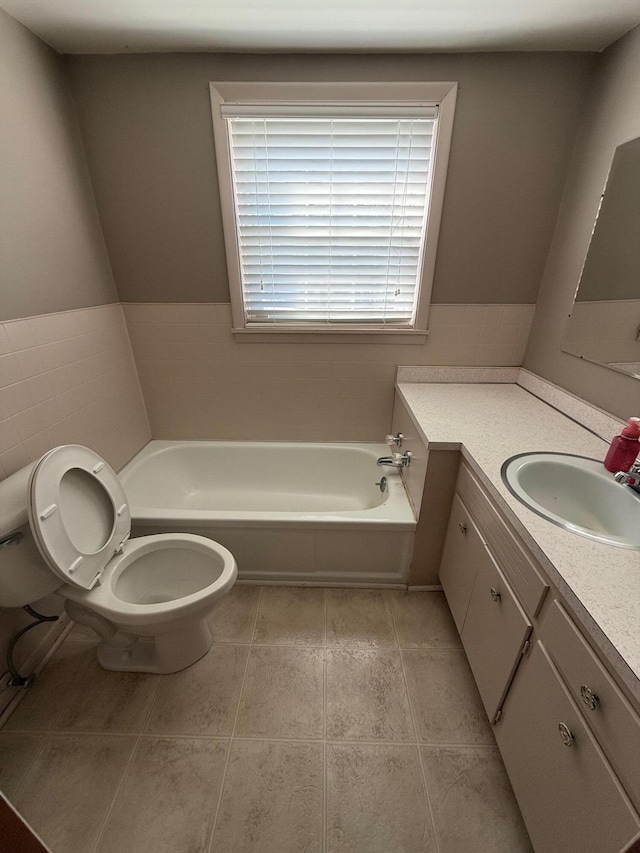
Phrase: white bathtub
(289, 512)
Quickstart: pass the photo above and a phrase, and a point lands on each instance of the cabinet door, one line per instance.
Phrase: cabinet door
(463, 551)
(569, 797)
(494, 633)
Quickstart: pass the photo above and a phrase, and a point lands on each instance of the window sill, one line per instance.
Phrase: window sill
(330, 336)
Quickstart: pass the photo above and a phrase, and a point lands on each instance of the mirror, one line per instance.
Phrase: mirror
(604, 325)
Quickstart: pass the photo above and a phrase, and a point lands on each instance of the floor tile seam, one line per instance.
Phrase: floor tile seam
(86, 733)
(414, 722)
(185, 736)
(434, 745)
(255, 616)
(325, 817)
(223, 779)
(23, 777)
(103, 825)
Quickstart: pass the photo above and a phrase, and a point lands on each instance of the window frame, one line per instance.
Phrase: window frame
(440, 94)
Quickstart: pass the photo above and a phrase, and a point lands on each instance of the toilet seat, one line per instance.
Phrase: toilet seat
(78, 513)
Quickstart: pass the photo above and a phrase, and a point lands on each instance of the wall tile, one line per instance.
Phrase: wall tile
(69, 377)
(198, 382)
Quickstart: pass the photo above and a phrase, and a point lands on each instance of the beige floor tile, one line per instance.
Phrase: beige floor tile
(290, 616)
(168, 798)
(423, 621)
(359, 618)
(473, 804)
(272, 799)
(107, 701)
(376, 801)
(67, 790)
(50, 692)
(203, 698)
(445, 698)
(283, 693)
(366, 696)
(232, 618)
(17, 751)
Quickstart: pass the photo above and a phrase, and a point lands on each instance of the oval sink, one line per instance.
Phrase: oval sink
(576, 493)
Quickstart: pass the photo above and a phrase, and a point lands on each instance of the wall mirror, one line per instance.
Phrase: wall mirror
(604, 325)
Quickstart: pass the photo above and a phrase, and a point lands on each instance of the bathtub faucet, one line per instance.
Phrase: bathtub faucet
(398, 460)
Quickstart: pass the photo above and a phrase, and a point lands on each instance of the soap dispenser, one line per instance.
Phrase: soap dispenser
(624, 448)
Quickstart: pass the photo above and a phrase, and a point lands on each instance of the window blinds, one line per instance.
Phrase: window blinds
(330, 213)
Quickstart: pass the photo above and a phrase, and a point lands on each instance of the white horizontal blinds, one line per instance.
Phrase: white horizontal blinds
(331, 215)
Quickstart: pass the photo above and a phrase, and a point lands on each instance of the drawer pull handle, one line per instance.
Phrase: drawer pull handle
(462, 527)
(495, 595)
(589, 697)
(566, 735)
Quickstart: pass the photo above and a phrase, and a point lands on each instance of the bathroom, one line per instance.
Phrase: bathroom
(115, 312)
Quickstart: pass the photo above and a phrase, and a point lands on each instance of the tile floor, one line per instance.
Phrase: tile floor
(321, 721)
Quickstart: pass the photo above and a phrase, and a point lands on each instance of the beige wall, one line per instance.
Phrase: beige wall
(612, 117)
(146, 123)
(199, 383)
(53, 256)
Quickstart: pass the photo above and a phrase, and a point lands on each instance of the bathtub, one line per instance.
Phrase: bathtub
(289, 512)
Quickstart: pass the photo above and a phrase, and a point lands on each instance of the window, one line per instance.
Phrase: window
(331, 205)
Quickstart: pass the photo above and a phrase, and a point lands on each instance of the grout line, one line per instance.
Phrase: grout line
(103, 825)
(324, 727)
(233, 727)
(36, 755)
(414, 723)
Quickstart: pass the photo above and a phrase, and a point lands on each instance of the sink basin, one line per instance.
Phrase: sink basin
(576, 493)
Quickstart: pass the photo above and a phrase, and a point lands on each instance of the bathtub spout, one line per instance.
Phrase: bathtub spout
(398, 460)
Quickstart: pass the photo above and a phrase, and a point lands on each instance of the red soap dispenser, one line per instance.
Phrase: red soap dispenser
(624, 448)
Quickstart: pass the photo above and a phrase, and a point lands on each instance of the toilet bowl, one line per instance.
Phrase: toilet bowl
(147, 598)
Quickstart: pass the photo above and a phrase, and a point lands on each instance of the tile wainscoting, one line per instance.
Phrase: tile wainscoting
(199, 383)
(69, 378)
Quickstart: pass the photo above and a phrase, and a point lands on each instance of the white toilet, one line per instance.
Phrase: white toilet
(65, 527)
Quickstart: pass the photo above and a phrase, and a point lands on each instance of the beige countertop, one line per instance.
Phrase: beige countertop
(489, 423)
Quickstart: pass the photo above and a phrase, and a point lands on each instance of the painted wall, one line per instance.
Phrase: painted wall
(612, 117)
(53, 254)
(146, 124)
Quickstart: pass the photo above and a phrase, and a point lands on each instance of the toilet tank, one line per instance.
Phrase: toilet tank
(24, 576)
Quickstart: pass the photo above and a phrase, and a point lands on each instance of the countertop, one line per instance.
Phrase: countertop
(488, 424)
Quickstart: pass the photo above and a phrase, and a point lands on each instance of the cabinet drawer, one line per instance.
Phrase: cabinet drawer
(570, 799)
(608, 713)
(463, 551)
(494, 633)
(518, 565)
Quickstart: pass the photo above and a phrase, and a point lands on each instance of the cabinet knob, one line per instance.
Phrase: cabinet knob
(565, 733)
(589, 697)
(462, 527)
(495, 595)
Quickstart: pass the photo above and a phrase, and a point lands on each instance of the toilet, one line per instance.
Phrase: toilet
(65, 527)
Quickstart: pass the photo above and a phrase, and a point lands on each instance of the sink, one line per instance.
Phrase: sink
(576, 493)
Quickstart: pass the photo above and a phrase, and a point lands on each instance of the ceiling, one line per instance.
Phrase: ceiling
(123, 26)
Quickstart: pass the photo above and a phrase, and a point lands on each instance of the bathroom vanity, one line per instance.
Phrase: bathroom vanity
(549, 621)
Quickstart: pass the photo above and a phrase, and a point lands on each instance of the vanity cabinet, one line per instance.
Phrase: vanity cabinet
(569, 738)
(491, 623)
(569, 797)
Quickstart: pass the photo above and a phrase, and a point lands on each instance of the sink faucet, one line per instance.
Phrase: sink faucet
(398, 460)
(629, 478)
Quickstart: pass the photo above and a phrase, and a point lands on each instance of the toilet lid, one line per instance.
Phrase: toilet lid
(78, 513)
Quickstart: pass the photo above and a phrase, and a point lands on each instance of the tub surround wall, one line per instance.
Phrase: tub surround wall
(199, 383)
(69, 378)
(65, 378)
